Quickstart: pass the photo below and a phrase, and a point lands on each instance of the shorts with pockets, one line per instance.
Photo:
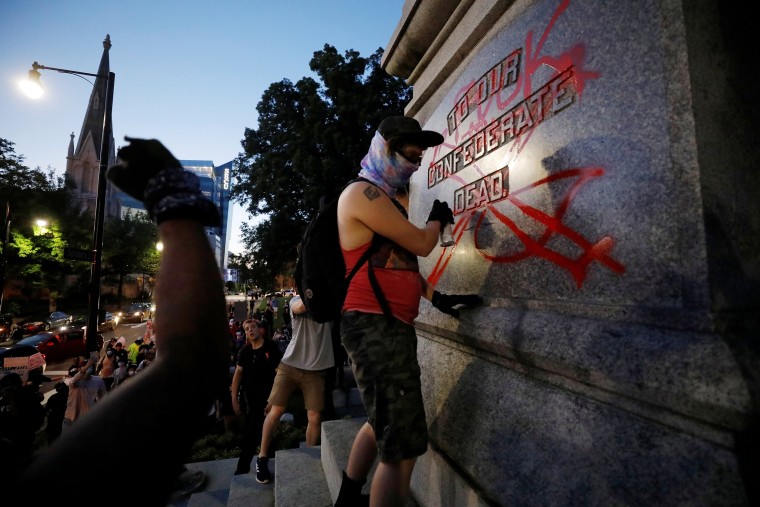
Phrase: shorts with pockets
(289, 379)
(384, 360)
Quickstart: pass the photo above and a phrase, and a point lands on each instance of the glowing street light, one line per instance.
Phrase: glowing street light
(40, 227)
(31, 86)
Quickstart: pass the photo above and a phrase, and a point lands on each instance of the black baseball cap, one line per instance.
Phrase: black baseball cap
(408, 130)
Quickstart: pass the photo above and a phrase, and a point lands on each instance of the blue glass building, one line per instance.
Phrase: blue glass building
(215, 184)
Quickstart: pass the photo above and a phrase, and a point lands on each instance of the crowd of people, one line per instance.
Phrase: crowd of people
(24, 411)
(21, 416)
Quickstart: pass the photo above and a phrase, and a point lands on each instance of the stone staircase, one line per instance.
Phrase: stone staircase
(303, 477)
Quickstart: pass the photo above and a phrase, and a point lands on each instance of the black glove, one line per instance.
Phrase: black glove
(441, 212)
(148, 172)
(447, 302)
(138, 162)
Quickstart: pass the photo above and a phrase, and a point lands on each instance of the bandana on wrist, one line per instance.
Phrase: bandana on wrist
(174, 193)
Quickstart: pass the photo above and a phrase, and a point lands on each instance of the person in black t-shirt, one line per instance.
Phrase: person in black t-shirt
(251, 384)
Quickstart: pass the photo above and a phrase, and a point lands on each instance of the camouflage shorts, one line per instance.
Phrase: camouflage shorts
(384, 360)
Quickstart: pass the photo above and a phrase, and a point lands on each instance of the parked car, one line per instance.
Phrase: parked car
(60, 345)
(44, 322)
(6, 326)
(25, 360)
(148, 308)
(107, 323)
(133, 313)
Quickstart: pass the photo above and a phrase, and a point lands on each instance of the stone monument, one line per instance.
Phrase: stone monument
(601, 163)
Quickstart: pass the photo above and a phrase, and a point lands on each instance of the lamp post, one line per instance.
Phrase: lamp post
(34, 90)
(6, 239)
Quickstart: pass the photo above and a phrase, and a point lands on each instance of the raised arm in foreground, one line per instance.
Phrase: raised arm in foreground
(167, 403)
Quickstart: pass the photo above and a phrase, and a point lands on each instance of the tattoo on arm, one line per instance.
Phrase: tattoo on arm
(372, 193)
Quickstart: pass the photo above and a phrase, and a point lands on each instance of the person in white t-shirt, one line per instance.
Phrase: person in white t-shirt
(308, 356)
(85, 389)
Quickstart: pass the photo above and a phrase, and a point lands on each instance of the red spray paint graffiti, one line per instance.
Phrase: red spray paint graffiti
(481, 136)
(552, 223)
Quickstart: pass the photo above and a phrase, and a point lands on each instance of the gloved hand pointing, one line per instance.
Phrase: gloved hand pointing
(442, 213)
(446, 302)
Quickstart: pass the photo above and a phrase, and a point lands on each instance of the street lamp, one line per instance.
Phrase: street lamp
(34, 90)
(40, 225)
(6, 239)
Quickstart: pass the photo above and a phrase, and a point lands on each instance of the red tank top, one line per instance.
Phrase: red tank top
(397, 273)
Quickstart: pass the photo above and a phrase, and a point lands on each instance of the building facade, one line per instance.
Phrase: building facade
(215, 185)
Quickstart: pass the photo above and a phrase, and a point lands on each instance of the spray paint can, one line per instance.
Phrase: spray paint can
(447, 238)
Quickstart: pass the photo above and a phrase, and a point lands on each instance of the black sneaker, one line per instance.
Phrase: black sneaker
(262, 471)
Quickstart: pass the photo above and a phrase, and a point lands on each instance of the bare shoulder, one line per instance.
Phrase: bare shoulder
(362, 194)
(371, 192)
(358, 201)
(363, 189)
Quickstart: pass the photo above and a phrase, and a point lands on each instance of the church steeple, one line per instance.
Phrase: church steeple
(71, 147)
(93, 118)
(83, 162)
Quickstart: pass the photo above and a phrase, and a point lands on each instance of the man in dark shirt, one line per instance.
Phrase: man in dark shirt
(252, 381)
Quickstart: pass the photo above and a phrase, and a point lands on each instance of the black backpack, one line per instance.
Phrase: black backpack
(320, 271)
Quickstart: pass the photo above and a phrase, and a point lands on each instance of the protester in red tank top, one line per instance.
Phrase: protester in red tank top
(383, 348)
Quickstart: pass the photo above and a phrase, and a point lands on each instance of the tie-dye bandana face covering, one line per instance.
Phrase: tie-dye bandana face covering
(387, 172)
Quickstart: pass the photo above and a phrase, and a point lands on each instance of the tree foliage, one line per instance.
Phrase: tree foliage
(310, 139)
(242, 263)
(40, 256)
(130, 248)
(16, 177)
(36, 254)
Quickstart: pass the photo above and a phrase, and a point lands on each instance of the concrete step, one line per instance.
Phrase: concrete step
(246, 492)
(337, 438)
(300, 480)
(216, 489)
(223, 488)
(302, 477)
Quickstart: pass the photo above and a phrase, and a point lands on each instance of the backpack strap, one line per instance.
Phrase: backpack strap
(379, 292)
(366, 255)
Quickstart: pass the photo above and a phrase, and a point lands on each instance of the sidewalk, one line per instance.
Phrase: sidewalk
(241, 309)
